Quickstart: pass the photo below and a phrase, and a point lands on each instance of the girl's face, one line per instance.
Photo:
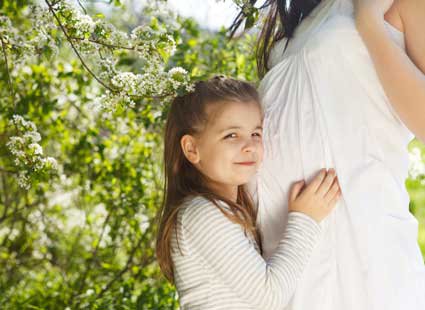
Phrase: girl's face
(229, 150)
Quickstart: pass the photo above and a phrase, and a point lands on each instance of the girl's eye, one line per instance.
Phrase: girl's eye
(231, 135)
(257, 134)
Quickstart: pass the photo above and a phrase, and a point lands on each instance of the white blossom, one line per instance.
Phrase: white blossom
(23, 180)
(90, 292)
(5, 25)
(84, 24)
(416, 164)
(51, 162)
(33, 136)
(8, 232)
(74, 218)
(143, 221)
(28, 153)
(177, 71)
(36, 148)
(37, 254)
(19, 121)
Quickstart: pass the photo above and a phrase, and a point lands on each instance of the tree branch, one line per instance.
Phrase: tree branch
(92, 258)
(8, 171)
(69, 39)
(9, 79)
(82, 6)
(125, 269)
(129, 48)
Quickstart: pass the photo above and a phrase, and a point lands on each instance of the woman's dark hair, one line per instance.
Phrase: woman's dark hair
(188, 115)
(282, 18)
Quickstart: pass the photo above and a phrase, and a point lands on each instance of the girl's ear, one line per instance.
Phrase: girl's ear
(190, 150)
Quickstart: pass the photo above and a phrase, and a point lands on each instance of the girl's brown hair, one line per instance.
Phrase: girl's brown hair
(187, 115)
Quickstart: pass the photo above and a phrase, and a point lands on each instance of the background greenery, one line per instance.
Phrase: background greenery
(82, 235)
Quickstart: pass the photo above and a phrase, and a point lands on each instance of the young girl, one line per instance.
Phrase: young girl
(208, 243)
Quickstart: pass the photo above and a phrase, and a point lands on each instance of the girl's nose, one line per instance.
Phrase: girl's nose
(249, 146)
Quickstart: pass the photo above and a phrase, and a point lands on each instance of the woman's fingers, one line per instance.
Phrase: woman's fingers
(295, 190)
(326, 184)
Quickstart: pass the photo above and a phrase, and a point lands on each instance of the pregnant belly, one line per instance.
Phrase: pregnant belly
(321, 113)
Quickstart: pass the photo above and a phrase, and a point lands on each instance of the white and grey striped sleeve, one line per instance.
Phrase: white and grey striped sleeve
(224, 247)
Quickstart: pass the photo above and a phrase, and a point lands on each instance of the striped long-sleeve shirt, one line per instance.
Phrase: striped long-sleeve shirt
(216, 266)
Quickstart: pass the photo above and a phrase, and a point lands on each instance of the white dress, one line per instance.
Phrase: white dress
(324, 107)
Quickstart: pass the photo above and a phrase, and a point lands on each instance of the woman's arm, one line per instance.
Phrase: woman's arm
(400, 74)
(412, 14)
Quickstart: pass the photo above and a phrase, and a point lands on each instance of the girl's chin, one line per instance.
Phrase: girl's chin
(246, 178)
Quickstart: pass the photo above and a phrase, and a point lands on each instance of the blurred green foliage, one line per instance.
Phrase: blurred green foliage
(84, 239)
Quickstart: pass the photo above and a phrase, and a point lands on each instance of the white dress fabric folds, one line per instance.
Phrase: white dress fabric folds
(325, 107)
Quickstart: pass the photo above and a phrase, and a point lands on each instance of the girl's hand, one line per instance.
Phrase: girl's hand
(318, 199)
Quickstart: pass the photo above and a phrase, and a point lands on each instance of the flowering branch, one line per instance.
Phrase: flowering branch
(75, 49)
(28, 153)
(113, 46)
(82, 6)
(9, 80)
(152, 42)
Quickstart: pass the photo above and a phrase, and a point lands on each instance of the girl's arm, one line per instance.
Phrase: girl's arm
(222, 246)
(401, 76)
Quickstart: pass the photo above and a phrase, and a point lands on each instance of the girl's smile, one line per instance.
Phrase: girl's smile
(247, 163)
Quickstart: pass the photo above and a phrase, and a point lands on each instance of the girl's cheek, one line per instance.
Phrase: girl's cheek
(260, 151)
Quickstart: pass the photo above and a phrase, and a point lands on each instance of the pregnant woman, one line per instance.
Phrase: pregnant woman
(325, 106)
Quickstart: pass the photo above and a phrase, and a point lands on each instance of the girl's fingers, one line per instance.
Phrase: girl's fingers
(334, 200)
(326, 184)
(332, 191)
(315, 184)
(295, 190)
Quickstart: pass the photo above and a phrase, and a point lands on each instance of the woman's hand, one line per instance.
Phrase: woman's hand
(369, 15)
(375, 8)
(318, 198)
(401, 75)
